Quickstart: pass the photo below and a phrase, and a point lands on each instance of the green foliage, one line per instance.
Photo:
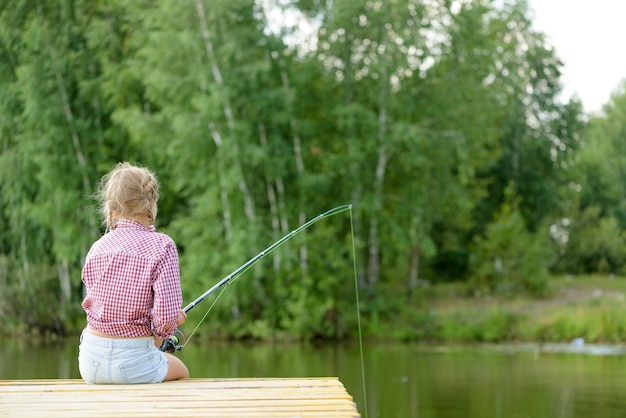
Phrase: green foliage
(33, 296)
(427, 118)
(593, 229)
(587, 307)
(489, 325)
(494, 325)
(594, 322)
(595, 243)
(601, 161)
(510, 259)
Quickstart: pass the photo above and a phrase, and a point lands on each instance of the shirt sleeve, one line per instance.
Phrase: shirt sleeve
(167, 293)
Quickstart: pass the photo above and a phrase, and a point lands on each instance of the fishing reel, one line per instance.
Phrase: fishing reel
(170, 345)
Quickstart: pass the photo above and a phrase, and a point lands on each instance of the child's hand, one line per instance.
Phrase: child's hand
(182, 315)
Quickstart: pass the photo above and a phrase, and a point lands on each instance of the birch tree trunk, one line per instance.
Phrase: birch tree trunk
(271, 198)
(226, 210)
(379, 180)
(297, 151)
(414, 269)
(234, 151)
(62, 265)
(373, 270)
(228, 113)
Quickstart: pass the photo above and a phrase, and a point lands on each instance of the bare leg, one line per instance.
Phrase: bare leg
(177, 369)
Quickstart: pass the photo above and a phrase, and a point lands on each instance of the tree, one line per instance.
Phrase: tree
(419, 114)
(58, 127)
(510, 259)
(539, 135)
(593, 237)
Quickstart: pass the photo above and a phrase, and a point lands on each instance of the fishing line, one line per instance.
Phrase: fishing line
(180, 347)
(358, 314)
(171, 344)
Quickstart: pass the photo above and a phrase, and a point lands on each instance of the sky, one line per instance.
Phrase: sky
(588, 36)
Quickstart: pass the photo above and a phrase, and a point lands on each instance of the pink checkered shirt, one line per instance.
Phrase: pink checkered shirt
(132, 279)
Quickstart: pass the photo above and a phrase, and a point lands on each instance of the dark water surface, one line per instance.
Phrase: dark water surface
(401, 381)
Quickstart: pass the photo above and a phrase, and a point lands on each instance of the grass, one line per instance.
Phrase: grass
(589, 307)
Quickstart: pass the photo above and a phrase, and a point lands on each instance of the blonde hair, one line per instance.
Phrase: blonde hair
(130, 192)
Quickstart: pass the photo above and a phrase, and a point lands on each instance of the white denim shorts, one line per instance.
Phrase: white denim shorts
(120, 360)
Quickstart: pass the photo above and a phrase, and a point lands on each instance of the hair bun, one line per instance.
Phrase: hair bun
(129, 191)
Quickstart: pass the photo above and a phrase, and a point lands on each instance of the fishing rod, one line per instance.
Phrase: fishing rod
(171, 344)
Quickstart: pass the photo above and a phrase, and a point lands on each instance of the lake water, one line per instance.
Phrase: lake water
(401, 381)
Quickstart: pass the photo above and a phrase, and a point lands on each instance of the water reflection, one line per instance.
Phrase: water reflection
(21, 359)
(403, 381)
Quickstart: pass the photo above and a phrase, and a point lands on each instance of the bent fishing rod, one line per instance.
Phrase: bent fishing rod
(172, 344)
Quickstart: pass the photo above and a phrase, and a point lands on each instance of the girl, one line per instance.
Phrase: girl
(132, 279)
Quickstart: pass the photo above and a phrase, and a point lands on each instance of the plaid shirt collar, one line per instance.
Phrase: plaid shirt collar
(130, 224)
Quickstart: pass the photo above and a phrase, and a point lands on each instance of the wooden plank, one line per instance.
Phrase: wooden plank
(204, 384)
(293, 397)
(34, 398)
(265, 404)
(196, 413)
(79, 385)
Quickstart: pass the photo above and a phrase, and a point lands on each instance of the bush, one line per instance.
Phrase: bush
(32, 299)
(595, 244)
(509, 259)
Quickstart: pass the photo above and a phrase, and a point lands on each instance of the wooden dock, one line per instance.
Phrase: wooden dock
(307, 397)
